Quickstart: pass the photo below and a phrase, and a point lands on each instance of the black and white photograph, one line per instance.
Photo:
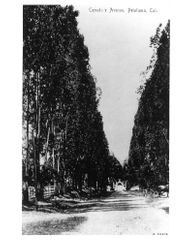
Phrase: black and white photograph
(95, 119)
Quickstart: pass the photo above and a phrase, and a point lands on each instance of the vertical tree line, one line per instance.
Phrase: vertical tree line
(63, 138)
(148, 163)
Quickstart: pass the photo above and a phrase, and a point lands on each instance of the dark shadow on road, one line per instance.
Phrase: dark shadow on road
(104, 209)
(121, 202)
(52, 227)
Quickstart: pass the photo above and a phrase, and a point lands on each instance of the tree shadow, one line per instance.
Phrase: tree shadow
(53, 226)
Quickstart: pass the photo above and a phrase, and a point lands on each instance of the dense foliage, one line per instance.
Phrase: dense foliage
(63, 137)
(148, 163)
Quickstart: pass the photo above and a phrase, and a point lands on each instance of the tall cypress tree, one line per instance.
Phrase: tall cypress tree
(63, 127)
(149, 148)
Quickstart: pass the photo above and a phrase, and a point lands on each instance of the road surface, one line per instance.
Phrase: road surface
(121, 213)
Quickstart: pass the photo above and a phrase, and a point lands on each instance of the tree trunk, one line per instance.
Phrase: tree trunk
(53, 149)
(47, 142)
(37, 135)
(35, 171)
(27, 132)
(27, 147)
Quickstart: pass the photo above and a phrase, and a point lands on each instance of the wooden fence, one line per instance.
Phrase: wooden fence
(47, 192)
(31, 193)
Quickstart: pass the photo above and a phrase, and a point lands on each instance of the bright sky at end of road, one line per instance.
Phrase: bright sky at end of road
(119, 51)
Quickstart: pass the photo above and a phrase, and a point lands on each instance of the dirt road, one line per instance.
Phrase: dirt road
(121, 213)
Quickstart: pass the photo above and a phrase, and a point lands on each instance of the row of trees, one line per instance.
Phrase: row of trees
(63, 136)
(148, 163)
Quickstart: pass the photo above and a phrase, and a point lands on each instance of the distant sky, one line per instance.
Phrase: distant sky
(119, 51)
